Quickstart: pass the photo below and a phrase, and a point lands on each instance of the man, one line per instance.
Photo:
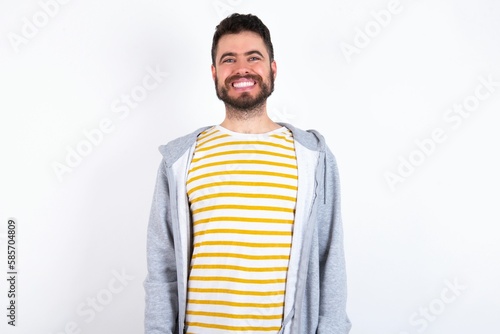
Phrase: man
(245, 232)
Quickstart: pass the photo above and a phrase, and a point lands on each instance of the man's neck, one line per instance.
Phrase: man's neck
(249, 122)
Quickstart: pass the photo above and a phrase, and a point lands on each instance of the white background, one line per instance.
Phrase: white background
(437, 226)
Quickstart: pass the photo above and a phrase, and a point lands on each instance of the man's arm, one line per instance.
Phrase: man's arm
(161, 282)
(333, 318)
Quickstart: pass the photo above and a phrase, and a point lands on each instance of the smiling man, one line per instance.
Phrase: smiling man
(245, 231)
(243, 70)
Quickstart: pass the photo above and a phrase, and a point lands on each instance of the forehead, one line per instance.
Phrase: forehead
(240, 43)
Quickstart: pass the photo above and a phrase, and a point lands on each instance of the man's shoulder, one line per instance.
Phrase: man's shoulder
(311, 139)
(176, 147)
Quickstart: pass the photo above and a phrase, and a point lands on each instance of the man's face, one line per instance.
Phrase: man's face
(243, 73)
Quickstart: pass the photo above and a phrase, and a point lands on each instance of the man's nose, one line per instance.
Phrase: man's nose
(242, 68)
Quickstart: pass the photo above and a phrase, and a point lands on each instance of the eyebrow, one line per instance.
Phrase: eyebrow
(233, 54)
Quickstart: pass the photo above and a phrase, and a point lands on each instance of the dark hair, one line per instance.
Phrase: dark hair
(237, 23)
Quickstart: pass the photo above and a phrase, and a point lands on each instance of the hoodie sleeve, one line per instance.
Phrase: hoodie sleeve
(333, 318)
(161, 282)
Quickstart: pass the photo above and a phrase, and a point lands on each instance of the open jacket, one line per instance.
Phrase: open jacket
(316, 292)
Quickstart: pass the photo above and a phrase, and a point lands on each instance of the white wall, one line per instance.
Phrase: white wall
(406, 240)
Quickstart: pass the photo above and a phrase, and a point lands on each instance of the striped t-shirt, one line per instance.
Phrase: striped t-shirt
(242, 191)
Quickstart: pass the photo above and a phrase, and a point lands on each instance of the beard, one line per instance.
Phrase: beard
(245, 102)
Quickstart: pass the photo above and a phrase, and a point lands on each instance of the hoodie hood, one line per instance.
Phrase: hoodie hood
(172, 151)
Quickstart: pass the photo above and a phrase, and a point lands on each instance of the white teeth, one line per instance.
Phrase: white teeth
(243, 84)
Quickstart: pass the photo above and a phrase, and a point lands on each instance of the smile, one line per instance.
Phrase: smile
(243, 84)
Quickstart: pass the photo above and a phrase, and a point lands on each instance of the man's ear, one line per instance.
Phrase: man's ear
(214, 72)
(274, 69)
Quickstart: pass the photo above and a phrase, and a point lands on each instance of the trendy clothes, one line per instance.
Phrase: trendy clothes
(315, 292)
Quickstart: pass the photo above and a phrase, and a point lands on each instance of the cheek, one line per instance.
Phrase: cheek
(221, 76)
(266, 75)
(266, 72)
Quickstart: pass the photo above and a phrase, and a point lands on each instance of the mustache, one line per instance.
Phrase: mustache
(256, 78)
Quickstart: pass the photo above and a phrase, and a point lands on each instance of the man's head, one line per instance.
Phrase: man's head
(243, 66)
(237, 23)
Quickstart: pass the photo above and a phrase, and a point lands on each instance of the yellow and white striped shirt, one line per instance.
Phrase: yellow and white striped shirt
(242, 191)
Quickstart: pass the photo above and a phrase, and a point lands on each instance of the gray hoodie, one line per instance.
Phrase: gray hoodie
(316, 292)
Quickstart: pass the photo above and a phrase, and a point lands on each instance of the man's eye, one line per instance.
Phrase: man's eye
(254, 58)
(228, 60)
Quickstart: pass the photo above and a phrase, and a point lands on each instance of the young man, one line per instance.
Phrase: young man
(245, 233)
